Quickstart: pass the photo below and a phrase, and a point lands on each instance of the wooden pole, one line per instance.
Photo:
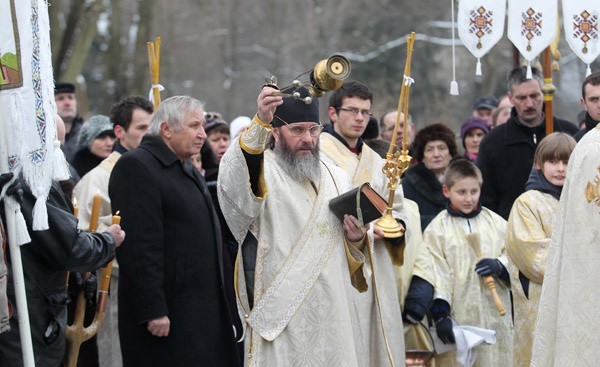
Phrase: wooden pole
(548, 88)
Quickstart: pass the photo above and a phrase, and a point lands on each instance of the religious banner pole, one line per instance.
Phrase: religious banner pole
(29, 146)
(548, 89)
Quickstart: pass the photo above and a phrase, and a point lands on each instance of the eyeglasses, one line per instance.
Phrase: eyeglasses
(354, 111)
(299, 130)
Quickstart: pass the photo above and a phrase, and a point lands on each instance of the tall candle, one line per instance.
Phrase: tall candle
(75, 208)
(95, 212)
(106, 272)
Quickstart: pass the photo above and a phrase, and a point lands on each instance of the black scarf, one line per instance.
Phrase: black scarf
(456, 213)
(537, 181)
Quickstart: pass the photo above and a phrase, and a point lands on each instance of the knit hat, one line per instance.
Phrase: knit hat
(470, 124)
(63, 87)
(214, 120)
(239, 124)
(489, 102)
(96, 127)
(296, 110)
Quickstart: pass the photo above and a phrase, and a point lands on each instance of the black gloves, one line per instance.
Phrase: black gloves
(417, 300)
(89, 287)
(488, 267)
(443, 327)
(440, 312)
(15, 189)
(493, 267)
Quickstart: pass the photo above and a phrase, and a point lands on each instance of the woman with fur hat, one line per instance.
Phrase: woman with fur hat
(434, 146)
(472, 132)
(96, 141)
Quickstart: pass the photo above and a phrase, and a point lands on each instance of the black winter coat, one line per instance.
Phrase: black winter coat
(46, 261)
(170, 262)
(589, 125)
(506, 158)
(423, 187)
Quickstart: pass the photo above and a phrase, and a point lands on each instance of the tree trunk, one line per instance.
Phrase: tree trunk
(65, 43)
(141, 79)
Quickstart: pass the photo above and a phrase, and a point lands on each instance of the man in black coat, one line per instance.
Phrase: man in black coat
(506, 153)
(172, 308)
(46, 260)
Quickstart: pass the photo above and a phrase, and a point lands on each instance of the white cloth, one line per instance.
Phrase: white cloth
(27, 97)
(566, 331)
(532, 25)
(480, 24)
(580, 19)
(467, 338)
(92, 183)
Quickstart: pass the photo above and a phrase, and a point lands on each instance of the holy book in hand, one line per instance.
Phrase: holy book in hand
(371, 204)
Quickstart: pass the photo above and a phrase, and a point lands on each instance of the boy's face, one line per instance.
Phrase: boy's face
(555, 171)
(464, 194)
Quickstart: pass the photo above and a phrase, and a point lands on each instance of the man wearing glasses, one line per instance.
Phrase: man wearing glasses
(309, 264)
(342, 145)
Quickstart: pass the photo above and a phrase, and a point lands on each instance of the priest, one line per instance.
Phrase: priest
(310, 276)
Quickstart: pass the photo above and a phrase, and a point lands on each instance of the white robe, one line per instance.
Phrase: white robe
(391, 279)
(457, 283)
(567, 325)
(527, 241)
(306, 312)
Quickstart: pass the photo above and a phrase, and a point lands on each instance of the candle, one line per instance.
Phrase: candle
(116, 219)
(95, 212)
(106, 272)
(75, 208)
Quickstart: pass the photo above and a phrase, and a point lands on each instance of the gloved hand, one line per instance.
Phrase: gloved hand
(15, 188)
(488, 266)
(89, 287)
(443, 327)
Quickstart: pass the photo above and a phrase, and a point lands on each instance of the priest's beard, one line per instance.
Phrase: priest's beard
(302, 168)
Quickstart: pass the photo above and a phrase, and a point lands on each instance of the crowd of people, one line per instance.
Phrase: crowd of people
(233, 257)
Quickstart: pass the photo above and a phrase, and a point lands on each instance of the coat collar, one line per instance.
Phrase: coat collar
(517, 132)
(157, 147)
(590, 123)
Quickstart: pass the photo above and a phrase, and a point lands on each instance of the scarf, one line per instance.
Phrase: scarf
(537, 181)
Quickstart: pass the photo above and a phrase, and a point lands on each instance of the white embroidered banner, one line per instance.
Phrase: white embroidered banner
(581, 18)
(532, 26)
(480, 26)
(27, 96)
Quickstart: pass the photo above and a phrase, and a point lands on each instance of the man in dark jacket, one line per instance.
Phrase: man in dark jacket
(590, 99)
(46, 261)
(66, 105)
(506, 153)
(172, 307)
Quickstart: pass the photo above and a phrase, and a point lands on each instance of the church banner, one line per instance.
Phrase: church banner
(27, 97)
(480, 26)
(532, 26)
(581, 19)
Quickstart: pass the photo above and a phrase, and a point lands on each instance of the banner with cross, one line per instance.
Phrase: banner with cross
(532, 26)
(480, 26)
(581, 18)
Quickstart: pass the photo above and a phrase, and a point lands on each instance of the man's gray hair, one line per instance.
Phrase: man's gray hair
(519, 76)
(173, 111)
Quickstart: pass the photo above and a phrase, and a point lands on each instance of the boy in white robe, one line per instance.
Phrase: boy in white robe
(466, 242)
(566, 329)
(528, 235)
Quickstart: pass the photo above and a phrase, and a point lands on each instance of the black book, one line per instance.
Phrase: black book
(372, 205)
